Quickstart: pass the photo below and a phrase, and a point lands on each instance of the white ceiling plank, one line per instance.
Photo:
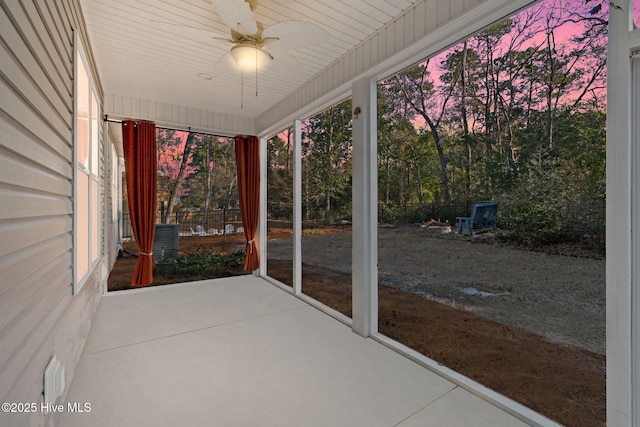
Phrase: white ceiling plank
(137, 54)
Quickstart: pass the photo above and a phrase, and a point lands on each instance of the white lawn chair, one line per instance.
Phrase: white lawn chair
(228, 229)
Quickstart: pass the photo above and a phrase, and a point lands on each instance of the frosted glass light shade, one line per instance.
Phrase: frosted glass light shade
(248, 58)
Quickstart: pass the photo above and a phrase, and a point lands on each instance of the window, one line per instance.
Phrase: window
(87, 171)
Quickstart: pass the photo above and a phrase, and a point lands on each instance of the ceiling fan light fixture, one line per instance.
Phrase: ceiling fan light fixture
(248, 57)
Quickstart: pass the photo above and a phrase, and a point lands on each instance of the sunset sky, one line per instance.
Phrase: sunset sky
(562, 38)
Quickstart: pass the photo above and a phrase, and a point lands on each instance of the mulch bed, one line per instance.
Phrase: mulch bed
(120, 277)
(565, 383)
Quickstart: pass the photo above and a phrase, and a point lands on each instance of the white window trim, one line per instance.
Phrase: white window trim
(78, 282)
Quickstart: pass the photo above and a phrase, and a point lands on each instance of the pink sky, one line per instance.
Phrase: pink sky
(562, 34)
(169, 162)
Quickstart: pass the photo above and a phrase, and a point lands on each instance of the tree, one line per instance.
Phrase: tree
(280, 174)
(415, 88)
(514, 112)
(174, 162)
(214, 178)
(326, 149)
(406, 153)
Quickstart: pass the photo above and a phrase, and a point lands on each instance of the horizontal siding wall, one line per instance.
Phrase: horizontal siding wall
(39, 315)
(177, 116)
(424, 29)
(110, 231)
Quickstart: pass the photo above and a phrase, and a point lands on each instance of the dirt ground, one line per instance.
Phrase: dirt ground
(120, 277)
(527, 325)
(556, 296)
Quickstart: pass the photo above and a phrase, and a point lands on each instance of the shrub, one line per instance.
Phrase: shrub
(531, 219)
(534, 210)
(545, 207)
(205, 261)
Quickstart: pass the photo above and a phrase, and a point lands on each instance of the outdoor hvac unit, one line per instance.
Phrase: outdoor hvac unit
(165, 242)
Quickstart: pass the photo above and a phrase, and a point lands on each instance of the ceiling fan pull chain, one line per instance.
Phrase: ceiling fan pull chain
(256, 72)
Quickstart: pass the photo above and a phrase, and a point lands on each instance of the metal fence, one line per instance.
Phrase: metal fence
(411, 213)
(215, 221)
(280, 215)
(190, 222)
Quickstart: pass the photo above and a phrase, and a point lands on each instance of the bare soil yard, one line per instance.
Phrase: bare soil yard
(556, 296)
(529, 325)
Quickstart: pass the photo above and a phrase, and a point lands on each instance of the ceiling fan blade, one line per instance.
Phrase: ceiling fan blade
(294, 35)
(196, 33)
(283, 63)
(225, 65)
(237, 15)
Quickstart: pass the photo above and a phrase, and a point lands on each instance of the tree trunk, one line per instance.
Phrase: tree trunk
(387, 183)
(207, 194)
(465, 124)
(401, 173)
(444, 178)
(288, 157)
(327, 207)
(306, 189)
(529, 104)
(551, 63)
(419, 183)
(177, 185)
(487, 106)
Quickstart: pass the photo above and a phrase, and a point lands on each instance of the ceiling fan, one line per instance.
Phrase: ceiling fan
(254, 46)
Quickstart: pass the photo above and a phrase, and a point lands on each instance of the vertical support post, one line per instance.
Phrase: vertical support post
(365, 214)
(262, 222)
(635, 243)
(622, 257)
(297, 207)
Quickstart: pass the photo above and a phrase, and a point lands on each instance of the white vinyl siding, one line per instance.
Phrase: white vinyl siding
(177, 116)
(39, 315)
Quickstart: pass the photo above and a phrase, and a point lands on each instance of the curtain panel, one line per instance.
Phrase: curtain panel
(248, 172)
(141, 167)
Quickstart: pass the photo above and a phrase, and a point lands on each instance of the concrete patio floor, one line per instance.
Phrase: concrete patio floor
(242, 352)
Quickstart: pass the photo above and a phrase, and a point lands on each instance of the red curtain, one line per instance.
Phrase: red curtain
(141, 165)
(248, 171)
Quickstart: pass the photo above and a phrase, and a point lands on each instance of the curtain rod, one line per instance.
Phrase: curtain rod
(107, 119)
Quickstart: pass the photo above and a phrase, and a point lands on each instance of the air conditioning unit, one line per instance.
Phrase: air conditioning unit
(165, 242)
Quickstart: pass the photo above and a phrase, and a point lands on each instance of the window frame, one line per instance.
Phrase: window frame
(91, 171)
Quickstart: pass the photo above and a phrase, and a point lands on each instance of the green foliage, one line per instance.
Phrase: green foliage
(533, 210)
(408, 166)
(504, 120)
(196, 171)
(205, 261)
(546, 205)
(397, 214)
(326, 153)
(213, 185)
(515, 113)
(414, 213)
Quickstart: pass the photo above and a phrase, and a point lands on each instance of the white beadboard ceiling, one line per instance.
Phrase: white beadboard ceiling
(144, 48)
